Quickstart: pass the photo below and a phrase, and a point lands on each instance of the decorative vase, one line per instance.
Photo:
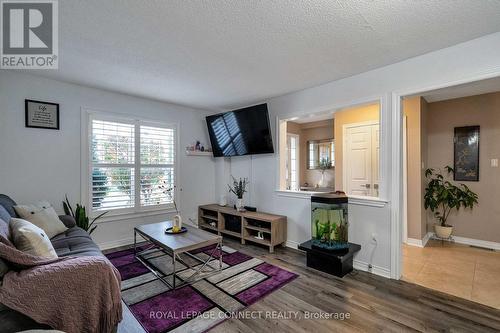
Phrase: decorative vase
(321, 182)
(443, 232)
(222, 201)
(178, 221)
(239, 205)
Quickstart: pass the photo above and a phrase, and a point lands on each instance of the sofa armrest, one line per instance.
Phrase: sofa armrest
(68, 220)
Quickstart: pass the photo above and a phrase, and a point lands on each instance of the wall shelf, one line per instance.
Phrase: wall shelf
(198, 153)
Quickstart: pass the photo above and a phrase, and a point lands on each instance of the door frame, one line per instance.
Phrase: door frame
(405, 178)
(345, 127)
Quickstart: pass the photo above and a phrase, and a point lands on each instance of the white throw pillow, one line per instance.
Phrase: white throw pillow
(31, 239)
(43, 216)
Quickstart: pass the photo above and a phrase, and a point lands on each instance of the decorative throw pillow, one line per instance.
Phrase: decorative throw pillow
(4, 214)
(43, 216)
(29, 238)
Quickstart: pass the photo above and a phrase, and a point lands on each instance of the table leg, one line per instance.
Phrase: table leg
(173, 262)
(135, 243)
(220, 256)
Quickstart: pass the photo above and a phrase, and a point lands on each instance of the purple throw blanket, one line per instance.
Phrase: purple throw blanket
(69, 294)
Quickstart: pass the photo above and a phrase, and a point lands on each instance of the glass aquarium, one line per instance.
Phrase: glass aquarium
(329, 222)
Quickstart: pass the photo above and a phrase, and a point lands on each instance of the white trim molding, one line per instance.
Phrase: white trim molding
(477, 243)
(420, 242)
(367, 201)
(292, 244)
(377, 270)
(427, 237)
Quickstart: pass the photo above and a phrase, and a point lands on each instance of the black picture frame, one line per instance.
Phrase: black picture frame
(33, 123)
(466, 153)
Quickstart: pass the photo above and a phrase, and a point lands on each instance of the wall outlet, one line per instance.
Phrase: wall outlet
(494, 162)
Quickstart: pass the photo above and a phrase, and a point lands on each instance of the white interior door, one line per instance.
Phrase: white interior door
(361, 157)
(358, 158)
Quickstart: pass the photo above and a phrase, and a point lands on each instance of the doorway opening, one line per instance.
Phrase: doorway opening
(456, 127)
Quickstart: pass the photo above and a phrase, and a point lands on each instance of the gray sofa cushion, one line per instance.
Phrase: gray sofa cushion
(75, 242)
(8, 204)
(5, 229)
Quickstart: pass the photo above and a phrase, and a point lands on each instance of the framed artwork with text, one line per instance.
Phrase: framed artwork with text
(40, 114)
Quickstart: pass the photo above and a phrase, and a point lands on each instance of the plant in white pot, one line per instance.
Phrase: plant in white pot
(442, 196)
(239, 188)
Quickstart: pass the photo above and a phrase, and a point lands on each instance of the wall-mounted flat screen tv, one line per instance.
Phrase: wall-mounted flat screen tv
(241, 132)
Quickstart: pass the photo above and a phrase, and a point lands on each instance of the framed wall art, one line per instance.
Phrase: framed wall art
(466, 153)
(40, 114)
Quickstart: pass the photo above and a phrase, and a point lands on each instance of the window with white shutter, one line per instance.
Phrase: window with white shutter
(132, 165)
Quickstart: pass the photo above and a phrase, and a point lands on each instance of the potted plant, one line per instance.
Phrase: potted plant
(441, 197)
(239, 188)
(80, 216)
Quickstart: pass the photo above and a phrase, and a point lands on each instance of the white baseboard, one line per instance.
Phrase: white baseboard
(477, 242)
(415, 242)
(116, 243)
(457, 239)
(420, 242)
(427, 237)
(292, 244)
(377, 270)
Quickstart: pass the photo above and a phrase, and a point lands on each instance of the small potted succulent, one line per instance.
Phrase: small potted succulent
(239, 188)
(442, 196)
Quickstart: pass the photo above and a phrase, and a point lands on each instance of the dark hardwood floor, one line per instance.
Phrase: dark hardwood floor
(373, 303)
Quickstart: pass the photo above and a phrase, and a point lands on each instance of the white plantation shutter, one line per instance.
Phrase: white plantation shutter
(132, 164)
(157, 165)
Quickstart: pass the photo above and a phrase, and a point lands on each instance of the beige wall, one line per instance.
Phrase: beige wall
(292, 128)
(483, 222)
(349, 116)
(415, 109)
(318, 130)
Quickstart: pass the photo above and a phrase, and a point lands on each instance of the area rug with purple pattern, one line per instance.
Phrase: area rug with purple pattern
(201, 305)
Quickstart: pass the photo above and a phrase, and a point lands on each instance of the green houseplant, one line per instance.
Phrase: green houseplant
(80, 216)
(442, 196)
(239, 188)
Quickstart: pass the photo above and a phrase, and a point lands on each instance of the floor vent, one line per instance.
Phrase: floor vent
(482, 248)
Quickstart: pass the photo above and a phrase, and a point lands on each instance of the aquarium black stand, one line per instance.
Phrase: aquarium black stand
(338, 263)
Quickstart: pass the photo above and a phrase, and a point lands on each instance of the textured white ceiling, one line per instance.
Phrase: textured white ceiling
(463, 90)
(222, 54)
